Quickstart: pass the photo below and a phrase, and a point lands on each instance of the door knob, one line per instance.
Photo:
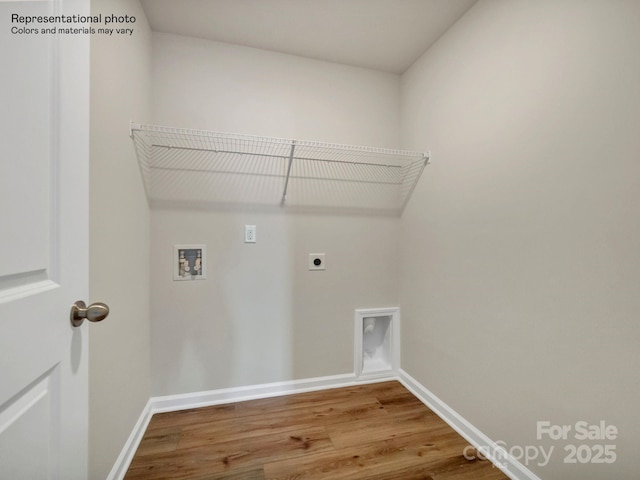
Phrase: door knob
(95, 312)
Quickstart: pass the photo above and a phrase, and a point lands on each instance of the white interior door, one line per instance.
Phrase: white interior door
(44, 155)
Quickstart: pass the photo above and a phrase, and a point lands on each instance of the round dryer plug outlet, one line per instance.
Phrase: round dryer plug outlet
(316, 261)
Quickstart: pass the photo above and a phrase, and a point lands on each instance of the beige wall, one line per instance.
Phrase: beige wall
(520, 259)
(261, 316)
(222, 87)
(119, 238)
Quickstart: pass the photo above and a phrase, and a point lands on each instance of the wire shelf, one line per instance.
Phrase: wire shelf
(200, 167)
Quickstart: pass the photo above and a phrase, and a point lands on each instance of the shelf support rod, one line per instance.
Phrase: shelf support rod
(426, 160)
(286, 182)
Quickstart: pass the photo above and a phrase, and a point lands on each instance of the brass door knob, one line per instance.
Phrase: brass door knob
(96, 312)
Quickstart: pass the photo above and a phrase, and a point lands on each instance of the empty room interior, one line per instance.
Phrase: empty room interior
(432, 197)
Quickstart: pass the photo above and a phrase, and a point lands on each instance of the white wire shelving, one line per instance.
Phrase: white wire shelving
(210, 168)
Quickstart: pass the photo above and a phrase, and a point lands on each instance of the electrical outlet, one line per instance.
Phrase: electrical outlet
(316, 261)
(249, 234)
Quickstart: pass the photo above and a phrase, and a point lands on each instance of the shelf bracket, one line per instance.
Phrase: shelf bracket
(286, 182)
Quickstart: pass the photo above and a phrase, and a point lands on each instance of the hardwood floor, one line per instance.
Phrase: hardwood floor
(378, 431)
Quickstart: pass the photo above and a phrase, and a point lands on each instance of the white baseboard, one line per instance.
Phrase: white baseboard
(506, 463)
(128, 451)
(170, 403)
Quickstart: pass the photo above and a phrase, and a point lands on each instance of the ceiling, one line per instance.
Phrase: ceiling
(386, 35)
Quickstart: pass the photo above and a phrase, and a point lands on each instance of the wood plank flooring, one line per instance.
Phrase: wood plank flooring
(378, 431)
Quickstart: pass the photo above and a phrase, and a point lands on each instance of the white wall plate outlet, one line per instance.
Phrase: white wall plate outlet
(316, 261)
(249, 234)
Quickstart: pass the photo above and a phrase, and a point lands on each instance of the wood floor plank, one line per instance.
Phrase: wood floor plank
(372, 461)
(224, 456)
(245, 420)
(171, 466)
(159, 441)
(365, 432)
(191, 416)
(256, 474)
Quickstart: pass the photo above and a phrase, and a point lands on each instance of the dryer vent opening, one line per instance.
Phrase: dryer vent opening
(377, 342)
